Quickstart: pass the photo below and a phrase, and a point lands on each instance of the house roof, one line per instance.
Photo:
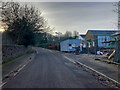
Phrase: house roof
(103, 32)
(83, 36)
(116, 34)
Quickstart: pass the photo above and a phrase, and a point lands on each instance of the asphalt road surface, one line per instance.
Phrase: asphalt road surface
(50, 69)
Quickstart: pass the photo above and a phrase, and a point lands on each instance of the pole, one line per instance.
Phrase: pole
(88, 47)
(95, 48)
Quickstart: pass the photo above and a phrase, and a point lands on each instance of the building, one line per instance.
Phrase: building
(69, 45)
(113, 47)
(96, 37)
(82, 37)
(113, 39)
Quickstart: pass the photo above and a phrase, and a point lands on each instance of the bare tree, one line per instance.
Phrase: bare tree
(22, 21)
(75, 34)
(68, 34)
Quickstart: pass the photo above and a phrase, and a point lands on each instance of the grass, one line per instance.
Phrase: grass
(7, 69)
(14, 59)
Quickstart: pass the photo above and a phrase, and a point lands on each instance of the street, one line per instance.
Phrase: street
(50, 69)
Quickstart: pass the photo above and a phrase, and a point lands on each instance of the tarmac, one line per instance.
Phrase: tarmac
(110, 70)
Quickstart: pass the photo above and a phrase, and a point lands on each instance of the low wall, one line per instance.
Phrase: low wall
(12, 51)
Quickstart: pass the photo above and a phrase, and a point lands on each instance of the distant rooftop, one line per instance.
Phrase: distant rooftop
(116, 34)
(103, 32)
(83, 35)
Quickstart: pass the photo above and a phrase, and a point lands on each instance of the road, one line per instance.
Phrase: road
(110, 70)
(50, 69)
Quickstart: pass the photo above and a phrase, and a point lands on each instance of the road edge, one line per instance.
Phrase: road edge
(95, 72)
(16, 71)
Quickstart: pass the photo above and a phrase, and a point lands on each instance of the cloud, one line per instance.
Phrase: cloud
(78, 16)
(60, 0)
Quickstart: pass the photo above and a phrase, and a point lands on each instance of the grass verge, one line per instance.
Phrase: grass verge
(14, 59)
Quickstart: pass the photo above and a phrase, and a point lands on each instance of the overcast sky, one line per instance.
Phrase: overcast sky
(79, 16)
(60, 0)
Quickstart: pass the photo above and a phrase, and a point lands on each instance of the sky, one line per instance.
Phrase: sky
(60, 0)
(78, 16)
